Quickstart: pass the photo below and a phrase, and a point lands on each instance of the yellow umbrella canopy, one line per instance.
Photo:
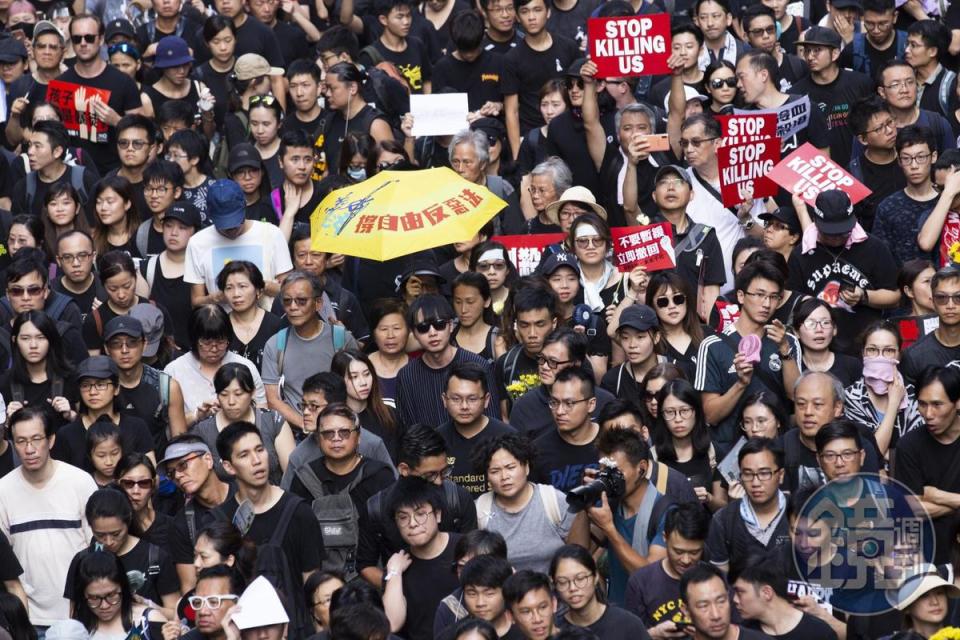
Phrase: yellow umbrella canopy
(396, 213)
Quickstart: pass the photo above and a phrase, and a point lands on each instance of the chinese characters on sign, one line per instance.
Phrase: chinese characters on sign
(525, 251)
(76, 103)
(428, 217)
(650, 247)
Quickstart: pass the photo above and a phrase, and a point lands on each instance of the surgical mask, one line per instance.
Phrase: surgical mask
(357, 174)
(878, 373)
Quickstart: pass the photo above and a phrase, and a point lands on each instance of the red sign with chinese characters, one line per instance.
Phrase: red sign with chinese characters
(807, 173)
(525, 251)
(76, 104)
(628, 46)
(649, 246)
(744, 168)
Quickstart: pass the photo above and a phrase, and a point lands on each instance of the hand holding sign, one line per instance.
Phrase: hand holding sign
(628, 46)
(807, 173)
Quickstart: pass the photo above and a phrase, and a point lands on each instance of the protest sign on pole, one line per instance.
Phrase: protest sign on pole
(744, 168)
(76, 105)
(648, 246)
(792, 117)
(630, 46)
(738, 129)
(525, 251)
(807, 173)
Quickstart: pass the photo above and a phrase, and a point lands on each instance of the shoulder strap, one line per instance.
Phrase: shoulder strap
(76, 180)
(373, 53)
(484, 509)
(310, 481)
(283, 524)
(713, 192)
(663, 474)
(164, 389)
(451, 498)
(153, 559)
(282, 349)
(57, 305)
(510, 362)
(339, 337)
(31, 188)
(190, 514)
(949, 77)
(97, 321)
(16, 392)
(729, 518)
(694, 238)
(548, 495)
(151, 264)
(142, 240)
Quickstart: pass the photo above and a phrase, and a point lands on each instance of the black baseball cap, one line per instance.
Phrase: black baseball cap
(493, 128)
(243, 155)
(786, 215)
(560, 259)
(833, 213)
(123, 326)
(185, 213)
(119, 27)
(821, 35)
(98, 368)
(639, 317)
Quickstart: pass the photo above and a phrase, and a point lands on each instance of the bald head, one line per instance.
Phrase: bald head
(818, 398)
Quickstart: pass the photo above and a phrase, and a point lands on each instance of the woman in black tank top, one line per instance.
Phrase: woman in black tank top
(350, 111)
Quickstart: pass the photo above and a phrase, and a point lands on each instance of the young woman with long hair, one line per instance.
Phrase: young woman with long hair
(814, 324)
(116, 220)
(477, 328)
(103, 600)
(492, 260)
(669, 295)
(136, 476)
(364, 398)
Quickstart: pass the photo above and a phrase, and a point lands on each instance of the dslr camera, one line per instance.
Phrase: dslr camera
(609, 479)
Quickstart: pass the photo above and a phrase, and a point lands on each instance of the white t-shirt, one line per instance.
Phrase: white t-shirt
(46, 528)
(198, 389)
(262, 244)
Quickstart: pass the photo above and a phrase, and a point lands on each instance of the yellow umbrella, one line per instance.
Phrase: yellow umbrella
(396, 213)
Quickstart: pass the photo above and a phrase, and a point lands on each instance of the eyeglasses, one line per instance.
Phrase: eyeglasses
(763, 475)
(693, 142)
(336, 434)
(160, 191)
(405, 520)
(265, 99)
(433, 476)
(567, 405)
(136, 144)
(831, 456)
(590, 241)
(550, 363)
(83, 256)
(99, 385)
(887, 125)
(35, 441)
(775, 225)
(682, 412)
(944, 298)
(123, 345)
(300, 302)
(886, 352)
(32, 291)
(760, 31)
(570, 83)
(181, 467)
(907, 83)
(468, 400)
(173, 157)
(671, 182)
(312, 407)
(499, 265)
(89, 38)
(112, 598)
(212, 343)
(678, 299)
(146, 483)
(920, 159)
(210, 602)
(437, 324)
(579, 581)
(813, 323)
(761, 296)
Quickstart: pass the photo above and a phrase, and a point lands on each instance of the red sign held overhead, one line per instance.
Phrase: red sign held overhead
(649, 246)
(744, 167)
(630, 46)
(525, 251)
(807, 173)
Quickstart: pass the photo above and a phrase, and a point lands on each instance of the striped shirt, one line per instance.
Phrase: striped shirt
(419, 389)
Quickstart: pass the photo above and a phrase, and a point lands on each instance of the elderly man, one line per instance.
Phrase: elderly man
(470, 157)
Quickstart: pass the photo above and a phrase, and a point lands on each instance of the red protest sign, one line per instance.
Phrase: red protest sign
(807, 173)
(76, 104)
(630, 45)
(744, 167)
(649, 246)
(747, 128)
(525, 251)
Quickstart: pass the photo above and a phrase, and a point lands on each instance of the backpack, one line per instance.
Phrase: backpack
(142, 240)
(947, 89)
(161, 382)
(510, 364)
(98, 319)
(339, 340)
(220, 149)
(338, 518)
(389, 87)
(76, 181)
(17, 394)
(57, 305)
(548, 496)
(861, 61)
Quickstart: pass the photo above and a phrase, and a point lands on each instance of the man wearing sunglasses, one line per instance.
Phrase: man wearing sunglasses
(421, 382)
(136, 138)
(760, 27)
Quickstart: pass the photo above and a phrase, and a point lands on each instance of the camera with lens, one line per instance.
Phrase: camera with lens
(609, 479)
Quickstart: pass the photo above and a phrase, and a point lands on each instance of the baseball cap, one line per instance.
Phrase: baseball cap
(492, 127)
(639, 317)
(786, 215)
(122, 326)
(119, 27)
(12, 50)
(45, 26)
(560, 259)
(185, 213)
(179, 450)
(833, 213)
(99, 368)
(172, 52)
(151, 319)
(672, 170)
(422, 264)
(252, 65)
(578, 195)
(243, 155)
(574, 69)
(226, 204)
(821, 35)
(689, 94)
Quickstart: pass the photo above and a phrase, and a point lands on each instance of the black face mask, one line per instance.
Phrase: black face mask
(400, 165)
(25, 27)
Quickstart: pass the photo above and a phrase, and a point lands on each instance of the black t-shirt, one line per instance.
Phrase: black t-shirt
(530, 414)
(10, 568)
(526, 70)
(821, 273)
(18, 197)
(510, 366)
(172, 294)
(292, 40)
(425, 584)
(217, 82)
(572, 23)
(567, 138)
(803, 468)
(255, 37)
(94, 338)
(615, 624)
(84, 301)
(834, 101)
(253, 350)
(926, 352)
(180, 544)
(413, 62)
(460, 449)
(883, 179)
(143, 402)
(261, 211)
(159, 531)
(336, 128)
(808, 627)
(71, 443)
(479, 79)
(706, 257)
(161, 575)
(876, 57)
(653, 595)
(37, 393)
(376, 477)
(124, 97)
(560, 463)
(846, 368)
(6, 466)
(730, 542)
(816, 131)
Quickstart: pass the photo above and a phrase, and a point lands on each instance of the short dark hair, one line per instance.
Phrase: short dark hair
(687, 27)
(163, 170)
(759, 445)
(764, 572)
(944, 274)
(231, 434)
(246, 267)
(485, 571)
(627, 441)
(933, 33)
(534, 298)
(330, 384)
(618, 407)
(430, 306)
(698, 574)
(338, 409)
(384, 7)
(297, 138)
(915, 134)
(949, 377)
(575, 342)
(208, 321)
(413, 492)
(587, 382)
(304, 67)
(338, 40)
(523, 582)
(759, 269)
(763, 61)
(689, 520)
(722, 3)
(515, 444)
(215, 24)
(137, 121)
(419, 441)
(879, 6)
(480, 542)
(470, 371)
(890, 64)
(30, 412)
(467, 31)
(863, 110)
(28, 260)
(837, 430)
(56, 134)
(359, 621)
(754, 11)
(237, 583)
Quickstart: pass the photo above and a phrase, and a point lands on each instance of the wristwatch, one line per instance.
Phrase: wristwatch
(787, 356)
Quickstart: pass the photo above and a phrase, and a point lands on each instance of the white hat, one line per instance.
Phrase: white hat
(919, 584)
(260, 606)
(689, 93)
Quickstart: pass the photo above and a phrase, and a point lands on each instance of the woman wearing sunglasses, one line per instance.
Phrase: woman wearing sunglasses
(137, 477)
(720, 83)
(492, 260)
(669, 295)
(591, 242)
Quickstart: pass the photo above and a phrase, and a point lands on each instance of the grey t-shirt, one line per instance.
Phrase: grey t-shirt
(302, 359)
(533, 536)
(371, 446)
